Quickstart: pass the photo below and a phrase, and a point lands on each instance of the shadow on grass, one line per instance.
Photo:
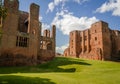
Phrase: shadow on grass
(52, 66)
(11, 79)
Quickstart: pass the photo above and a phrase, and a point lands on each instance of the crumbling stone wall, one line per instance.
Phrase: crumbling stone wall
(23, 22)
(67, 52)
(98, 43)
(46, 55)
(10, 59)
(22, 42)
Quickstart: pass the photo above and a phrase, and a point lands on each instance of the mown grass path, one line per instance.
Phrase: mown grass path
(63, 71)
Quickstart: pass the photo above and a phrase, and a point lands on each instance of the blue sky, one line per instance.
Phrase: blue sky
(70, 15)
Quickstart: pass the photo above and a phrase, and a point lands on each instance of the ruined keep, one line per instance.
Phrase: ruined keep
(22, 42)
(97, 43)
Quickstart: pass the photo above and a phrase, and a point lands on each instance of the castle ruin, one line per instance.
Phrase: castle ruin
(97, 43)
(22, 42)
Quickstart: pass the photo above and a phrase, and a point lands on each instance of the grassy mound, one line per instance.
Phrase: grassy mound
(63, 71)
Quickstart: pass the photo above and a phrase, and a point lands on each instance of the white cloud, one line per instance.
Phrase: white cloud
(40, 18)
(61, 48)
(55, 3)
(66, 22)
(52, 5)
(80, 1)
(45, 26)
(111, 5)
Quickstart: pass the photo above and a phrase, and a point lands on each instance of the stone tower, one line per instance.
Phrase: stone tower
(98, 43)
(101, 34)
(54, 38)
(10, 24)
(73, 43)
(34, 30)
(107, 41)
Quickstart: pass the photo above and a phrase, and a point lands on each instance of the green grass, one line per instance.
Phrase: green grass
(63, 71)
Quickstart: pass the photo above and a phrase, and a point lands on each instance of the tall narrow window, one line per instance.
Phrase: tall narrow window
(17, 43)
(95, 38)
(85, 48)
(90, 36)
(90, 48)
(95, 31)
(0, 38)
(80, 39)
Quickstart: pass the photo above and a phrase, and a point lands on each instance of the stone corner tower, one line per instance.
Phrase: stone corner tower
(54, 38)
(10, 24)
(34, 29)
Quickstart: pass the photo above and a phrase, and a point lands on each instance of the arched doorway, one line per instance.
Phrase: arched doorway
(49, 46)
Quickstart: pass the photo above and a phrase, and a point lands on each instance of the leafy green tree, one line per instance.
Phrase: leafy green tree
(3, 14)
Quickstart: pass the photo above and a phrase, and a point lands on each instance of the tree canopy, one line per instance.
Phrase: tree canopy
(3, 14)
(3, 11)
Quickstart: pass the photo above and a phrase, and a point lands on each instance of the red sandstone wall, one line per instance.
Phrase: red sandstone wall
(74, 44)
(17, 57)
(107, 42)
(10, 54)
(67, 52)
(46, 55)
(96, 42)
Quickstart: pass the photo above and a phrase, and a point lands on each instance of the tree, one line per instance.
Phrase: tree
(3, 14)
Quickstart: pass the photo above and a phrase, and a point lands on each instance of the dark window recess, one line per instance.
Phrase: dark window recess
(85, 48)
(80, 50)
(90, 36)
(95, 31)
(80, 39)
(90, 48)
(22, 41)
(0, 38)
(49, 46)
(95, 38)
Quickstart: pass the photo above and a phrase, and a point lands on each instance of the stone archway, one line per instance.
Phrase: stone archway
(99, 53)
(49, 46)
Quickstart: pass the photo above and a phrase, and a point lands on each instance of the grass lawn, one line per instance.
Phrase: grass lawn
(63, 71)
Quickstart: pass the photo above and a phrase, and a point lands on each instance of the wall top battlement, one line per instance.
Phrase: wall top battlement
(100, 22)
(97, 43)
(34, 4)
(92, 26)
(23, 12)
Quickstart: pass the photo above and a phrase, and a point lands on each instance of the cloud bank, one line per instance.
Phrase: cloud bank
(52, 5)
(61, 48)
(67, 22)
(111, 5)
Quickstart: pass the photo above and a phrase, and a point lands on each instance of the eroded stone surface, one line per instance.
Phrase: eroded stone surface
(98, 43)
(22, 42)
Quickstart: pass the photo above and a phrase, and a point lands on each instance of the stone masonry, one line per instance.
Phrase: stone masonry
(97, 43)
(22, 42)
